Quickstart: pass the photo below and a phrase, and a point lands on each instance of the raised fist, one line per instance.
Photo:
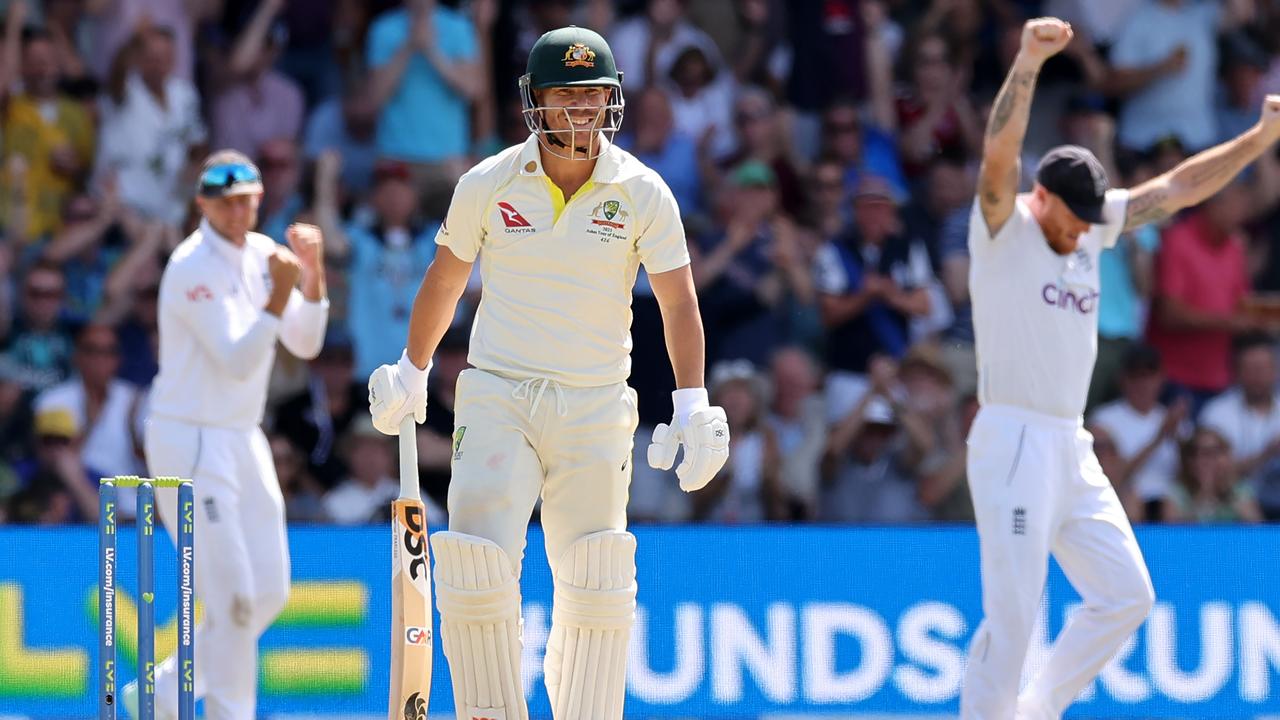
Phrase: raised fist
(1042, 38)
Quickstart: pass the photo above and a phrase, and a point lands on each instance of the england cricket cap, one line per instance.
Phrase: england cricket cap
(1075, 175)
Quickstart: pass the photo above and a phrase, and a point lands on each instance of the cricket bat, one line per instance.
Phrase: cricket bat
(411, 608)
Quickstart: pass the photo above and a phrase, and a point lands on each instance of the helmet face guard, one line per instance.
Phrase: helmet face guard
(572, 142)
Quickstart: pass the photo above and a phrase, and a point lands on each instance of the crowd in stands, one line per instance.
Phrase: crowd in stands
(823, 154)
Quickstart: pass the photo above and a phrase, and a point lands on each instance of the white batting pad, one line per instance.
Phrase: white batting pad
(595, 604)
(479, 601)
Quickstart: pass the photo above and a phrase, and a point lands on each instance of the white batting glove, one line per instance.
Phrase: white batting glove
(397, 392)
(703, 431)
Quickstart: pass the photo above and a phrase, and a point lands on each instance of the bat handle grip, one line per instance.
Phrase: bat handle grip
(409, 458)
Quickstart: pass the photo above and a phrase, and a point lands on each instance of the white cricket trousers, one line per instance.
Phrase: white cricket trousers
(517, 440)
(1037, 489)
(241, 556)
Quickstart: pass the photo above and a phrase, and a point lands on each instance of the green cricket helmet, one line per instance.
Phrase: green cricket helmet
(572, 57)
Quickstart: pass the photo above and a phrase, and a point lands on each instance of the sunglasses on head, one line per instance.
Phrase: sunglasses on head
(219, 178)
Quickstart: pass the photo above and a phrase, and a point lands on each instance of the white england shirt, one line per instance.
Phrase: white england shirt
(217, 344)
(557, 274)
(1035, 312)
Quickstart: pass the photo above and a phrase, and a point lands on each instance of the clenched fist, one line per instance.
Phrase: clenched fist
(1042, 38)
(307, 243)
(284, 268)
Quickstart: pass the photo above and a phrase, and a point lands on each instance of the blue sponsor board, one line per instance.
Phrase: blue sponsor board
(733, 623)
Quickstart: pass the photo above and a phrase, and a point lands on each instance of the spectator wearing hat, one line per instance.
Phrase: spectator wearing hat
(1146, 433)
(396, 248)
(1247, 416)
(749, 488)
(872, 458)
(316, 419)
(873, 281)
(55, 487)
(753, 279)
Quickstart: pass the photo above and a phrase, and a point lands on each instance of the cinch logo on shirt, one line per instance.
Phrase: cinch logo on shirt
(512, 218)
(1067, 299)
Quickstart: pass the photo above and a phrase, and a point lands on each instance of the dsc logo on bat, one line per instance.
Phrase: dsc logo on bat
(417, 636)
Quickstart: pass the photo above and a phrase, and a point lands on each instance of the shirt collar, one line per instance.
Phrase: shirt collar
(220, 244)
(608, 168)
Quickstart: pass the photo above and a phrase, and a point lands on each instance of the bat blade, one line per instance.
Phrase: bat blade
(411, 608)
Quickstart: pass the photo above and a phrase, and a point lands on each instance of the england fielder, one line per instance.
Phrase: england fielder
(226, 296)
(560, 224)
(1037, 487)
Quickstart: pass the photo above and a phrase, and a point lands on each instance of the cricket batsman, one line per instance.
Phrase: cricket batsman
(227, 295)
(1036, 484)
(560, 224)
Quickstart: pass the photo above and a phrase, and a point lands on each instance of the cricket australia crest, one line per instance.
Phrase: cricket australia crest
(579, 55)
(608, 220)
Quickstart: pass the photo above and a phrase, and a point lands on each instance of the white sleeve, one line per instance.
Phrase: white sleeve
(206, 314)
(1113, 211)
(303, 324)
(661, 243)
(463, 228)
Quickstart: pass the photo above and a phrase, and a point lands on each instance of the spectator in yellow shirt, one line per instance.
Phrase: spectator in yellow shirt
(51, 131)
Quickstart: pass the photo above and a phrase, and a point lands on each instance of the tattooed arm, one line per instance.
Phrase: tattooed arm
(1202, 175)
(1002, 148)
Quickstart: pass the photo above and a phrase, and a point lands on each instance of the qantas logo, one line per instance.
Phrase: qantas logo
(512, 217)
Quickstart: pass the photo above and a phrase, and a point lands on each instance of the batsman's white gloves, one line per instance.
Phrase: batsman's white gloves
(703, 431)
(397, 392)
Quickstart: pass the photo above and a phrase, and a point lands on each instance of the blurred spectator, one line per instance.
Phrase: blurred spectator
(261, 104)
(1126, 279)
(1244, 65)
(55, 487)
(862, 150)
(38, 347)
(436, 436)
(303, 496)
(385, 267)
(114, 22)
(52, 132)
(365, 496)
(131, 297)
(317, 419)
(15, 417)
(282, 187)
(798, 421)
(346, 123)
(748, 489)
(102, 408)
(309, 60)
(1181, 103)
(934, 114)
(91, 241)
(1248, 417)
(929, 405)
(957, 341)
(64, 19)
(701, 91)
(152, 131)
(761, 136)
(873, 280)
(828, 211)
(752, 275)
(828, 62)
(423, 61)
(1200, 282)
(647, 45)
(872, 457)
(654, 140)
(945, 488)
(1146, 433)
(1209, 490)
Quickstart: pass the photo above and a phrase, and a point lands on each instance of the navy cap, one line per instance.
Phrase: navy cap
(1075, 175)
